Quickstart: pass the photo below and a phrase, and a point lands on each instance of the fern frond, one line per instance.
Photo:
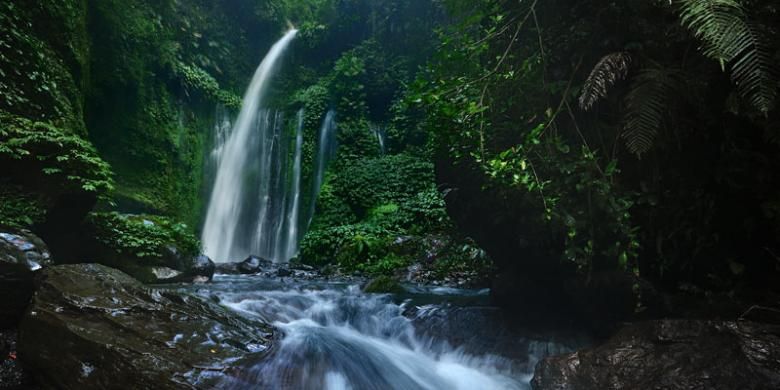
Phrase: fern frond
(609, 70)
(647, 107)
(729, 37)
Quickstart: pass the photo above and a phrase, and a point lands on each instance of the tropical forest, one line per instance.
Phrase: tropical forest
(390, 194)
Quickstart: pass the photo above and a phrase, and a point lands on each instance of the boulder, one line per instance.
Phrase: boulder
(201, 267)
(21, 254)
(90, 326)
(671, 354)
(253, 265)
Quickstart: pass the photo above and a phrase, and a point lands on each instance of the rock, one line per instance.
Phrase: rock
(166, 274)
(383, 284)
(283, 272)
(90, 326)
(199, 269)
(227, 268)
(202, 266)
(672, 354)
(301, 267)
(253, 265)
(20, 256)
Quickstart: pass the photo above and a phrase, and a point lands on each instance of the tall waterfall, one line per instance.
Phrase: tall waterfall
(251, 173)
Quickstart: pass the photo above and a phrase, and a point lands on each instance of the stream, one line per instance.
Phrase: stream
(336, 337)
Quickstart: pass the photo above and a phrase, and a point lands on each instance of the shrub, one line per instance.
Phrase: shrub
(143, 237)
(372, 182)
(62, 161)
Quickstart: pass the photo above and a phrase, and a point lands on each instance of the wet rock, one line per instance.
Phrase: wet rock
(21, 254)
(301, 267)
(283, 272)
(383, 284)
(90, 326)
(202, 266)
(252, 265)
(198, 269)
(165, 273)
(672, 354)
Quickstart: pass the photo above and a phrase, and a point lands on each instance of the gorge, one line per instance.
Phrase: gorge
(403, 194)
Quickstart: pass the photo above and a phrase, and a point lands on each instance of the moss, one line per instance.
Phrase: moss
(383, 284)
(35, 80)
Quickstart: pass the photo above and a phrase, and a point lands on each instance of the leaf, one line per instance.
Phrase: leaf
(609, 70)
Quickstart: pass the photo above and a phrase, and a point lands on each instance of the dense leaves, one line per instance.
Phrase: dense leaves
(142, 236)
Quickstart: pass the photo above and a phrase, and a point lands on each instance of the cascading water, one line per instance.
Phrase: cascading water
(335, 337)
(249, 201)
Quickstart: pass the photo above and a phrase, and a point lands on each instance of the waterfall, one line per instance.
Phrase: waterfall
(292, 220)
(224, 232)
(381, 136)
(327, 148)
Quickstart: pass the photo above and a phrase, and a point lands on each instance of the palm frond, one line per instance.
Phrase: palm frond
(609, 70)
(729, 37)
(647, 108)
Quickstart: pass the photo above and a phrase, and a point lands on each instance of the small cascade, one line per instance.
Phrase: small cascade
(336, 337)
(381, 136)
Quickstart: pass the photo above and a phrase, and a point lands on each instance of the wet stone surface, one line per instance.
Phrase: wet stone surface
(21, 254)
(90, 326)
(672, 354)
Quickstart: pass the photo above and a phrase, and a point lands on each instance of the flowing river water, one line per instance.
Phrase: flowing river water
(336, 337)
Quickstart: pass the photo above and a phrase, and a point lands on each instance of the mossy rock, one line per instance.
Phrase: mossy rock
(383, 284)
(151, 248)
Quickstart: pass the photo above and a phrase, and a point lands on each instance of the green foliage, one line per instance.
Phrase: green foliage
(730, 37)
(331, 210)
(144, 237)
(346, 245)
(503, 113)
(647, 106)
(372, 182)
(35, 81)
(19, 209)
(462, 257)
(609, 70)
(197, 79)
(63, 161)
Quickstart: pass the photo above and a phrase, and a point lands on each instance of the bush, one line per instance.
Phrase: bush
(141, 237)
(19, 209)
(372, 182)
(347, 245)
(57, 160)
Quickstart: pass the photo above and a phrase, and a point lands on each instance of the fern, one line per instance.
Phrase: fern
(647, 107)
(609, 70)
(729, 37)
